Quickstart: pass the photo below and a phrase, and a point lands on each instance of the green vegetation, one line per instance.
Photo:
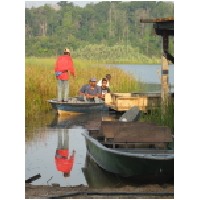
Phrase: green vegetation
(166, 119)
(105, 31)
(116, 54)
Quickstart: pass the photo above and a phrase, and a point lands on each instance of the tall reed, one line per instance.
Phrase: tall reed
(157, 115)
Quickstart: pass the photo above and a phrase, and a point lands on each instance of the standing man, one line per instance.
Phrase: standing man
(63, 69)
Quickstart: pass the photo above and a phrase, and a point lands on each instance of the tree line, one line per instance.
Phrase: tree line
(109, 24)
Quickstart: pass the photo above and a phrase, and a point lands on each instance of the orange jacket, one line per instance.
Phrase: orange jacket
(64, 162)
(64, 63)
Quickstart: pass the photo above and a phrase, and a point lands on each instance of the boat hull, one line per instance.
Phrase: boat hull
(84, 107)
(132, 163)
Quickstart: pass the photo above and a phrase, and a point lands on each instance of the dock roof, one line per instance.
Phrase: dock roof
(161, 26)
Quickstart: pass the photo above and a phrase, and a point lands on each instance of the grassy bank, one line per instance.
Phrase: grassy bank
(40, 81)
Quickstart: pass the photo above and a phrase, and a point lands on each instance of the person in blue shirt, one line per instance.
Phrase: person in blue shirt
(81, 93)
(83, 89)
(91, 90)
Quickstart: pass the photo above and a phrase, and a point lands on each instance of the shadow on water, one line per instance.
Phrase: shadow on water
(56, 154)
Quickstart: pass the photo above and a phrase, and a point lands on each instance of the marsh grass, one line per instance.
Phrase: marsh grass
(41, 85)
(157, 116)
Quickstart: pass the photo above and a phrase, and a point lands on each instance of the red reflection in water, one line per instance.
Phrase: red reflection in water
(63, 160)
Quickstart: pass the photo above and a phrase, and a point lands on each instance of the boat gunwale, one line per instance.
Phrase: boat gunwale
(76, 103)
(165, 156)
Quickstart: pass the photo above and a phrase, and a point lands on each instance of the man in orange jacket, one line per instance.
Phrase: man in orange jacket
(63, 69)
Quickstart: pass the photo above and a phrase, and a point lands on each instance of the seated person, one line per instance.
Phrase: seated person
(108, 78)
(81, 93)
(93, 90)
(83, 89)
(104, 88)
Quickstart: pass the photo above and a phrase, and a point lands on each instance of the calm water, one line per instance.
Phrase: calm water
(45, 135)
(41, 150)
(146, 73)
(40, 157)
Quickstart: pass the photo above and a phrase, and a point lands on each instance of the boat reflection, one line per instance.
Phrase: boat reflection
(71, 121)
(96, 177)
(64, 121)
(63, 160)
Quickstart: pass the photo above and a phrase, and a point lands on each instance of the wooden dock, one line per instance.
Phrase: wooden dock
(144, 101)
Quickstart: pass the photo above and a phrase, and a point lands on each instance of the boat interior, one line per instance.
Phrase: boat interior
(140, 136)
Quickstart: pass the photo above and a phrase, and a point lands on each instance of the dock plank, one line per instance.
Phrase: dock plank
(146, 134)
(136, 132)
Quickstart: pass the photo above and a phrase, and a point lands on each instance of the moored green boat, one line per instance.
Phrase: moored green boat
(136, 158)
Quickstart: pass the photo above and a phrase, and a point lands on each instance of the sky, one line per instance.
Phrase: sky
(29, 4)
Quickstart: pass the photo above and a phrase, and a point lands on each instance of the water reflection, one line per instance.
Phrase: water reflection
(96, 177)
(64, 121)
(63, 160)
(74, 121)
(57, 151)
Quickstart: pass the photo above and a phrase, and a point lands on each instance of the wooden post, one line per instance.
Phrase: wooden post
(164, 73)
(164, 79)
(165, 41)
